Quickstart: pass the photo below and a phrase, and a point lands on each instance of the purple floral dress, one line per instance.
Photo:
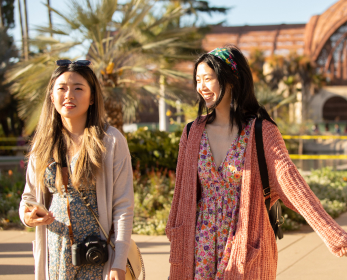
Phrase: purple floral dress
(218, 209)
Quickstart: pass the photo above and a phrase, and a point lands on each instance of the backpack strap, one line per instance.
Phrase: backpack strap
(189, 125)
(262, 162)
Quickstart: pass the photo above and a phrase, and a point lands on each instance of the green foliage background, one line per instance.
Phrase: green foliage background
(154, 156)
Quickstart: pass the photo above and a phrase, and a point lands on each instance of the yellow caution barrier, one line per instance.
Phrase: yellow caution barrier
(308, 137)
(318, 156)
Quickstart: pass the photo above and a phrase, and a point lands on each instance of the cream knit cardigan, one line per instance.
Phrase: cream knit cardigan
(115, 199)
(254, 250)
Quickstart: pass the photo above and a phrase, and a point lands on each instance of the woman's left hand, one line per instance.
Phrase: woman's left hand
(117, 274)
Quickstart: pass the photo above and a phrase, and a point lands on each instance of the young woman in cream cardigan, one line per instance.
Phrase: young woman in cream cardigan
(218, 225)
(72, 129)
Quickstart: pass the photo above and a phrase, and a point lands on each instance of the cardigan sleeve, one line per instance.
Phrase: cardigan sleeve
(122, 201)
(296, 194)
(29, 192)
(171, 223)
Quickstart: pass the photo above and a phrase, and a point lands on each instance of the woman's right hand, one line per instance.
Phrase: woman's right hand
(32, 220)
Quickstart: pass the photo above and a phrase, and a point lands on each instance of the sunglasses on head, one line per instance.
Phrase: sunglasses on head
(66, 62)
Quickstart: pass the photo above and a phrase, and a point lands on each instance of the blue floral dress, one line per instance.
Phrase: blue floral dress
(60, 265)
(218, 208)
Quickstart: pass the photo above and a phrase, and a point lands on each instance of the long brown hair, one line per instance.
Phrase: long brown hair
(244, 104)
(52, 140)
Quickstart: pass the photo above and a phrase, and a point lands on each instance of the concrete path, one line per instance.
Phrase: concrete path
(302, 256)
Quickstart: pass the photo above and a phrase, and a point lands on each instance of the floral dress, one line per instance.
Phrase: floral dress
(218, 208)
(60, 265)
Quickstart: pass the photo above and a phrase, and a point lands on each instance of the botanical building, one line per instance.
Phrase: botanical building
(323, 39)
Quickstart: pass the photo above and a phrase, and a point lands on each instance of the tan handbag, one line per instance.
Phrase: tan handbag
(135, 263)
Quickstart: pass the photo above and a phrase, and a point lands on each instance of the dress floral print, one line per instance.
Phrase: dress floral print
(218, 208)
(60, 265)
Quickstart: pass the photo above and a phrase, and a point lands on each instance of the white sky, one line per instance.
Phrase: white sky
(251, 12)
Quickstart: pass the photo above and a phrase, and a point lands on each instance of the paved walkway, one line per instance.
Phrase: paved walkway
(302, 256)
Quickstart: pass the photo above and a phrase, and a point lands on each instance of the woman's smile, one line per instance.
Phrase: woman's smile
(69, 105)
(207, 96)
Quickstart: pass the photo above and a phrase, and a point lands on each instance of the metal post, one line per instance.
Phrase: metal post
(163, 107)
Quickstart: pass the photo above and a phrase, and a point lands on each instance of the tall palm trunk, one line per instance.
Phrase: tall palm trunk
(1, 15)
(21, 27)
(49, 17)
(114, 112)
(26, 46)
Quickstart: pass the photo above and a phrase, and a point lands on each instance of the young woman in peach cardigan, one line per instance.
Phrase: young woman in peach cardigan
(218, 225)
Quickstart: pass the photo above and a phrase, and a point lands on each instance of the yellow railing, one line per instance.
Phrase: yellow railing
(308, 137)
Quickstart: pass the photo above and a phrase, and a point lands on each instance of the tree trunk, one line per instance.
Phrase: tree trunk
(114, 113)
(163, 107)
(49, 17)
(21, 27)
(2, 24)
(26, 50)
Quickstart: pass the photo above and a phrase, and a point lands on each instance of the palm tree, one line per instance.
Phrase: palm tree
(49, 17)
(267, 74)
(301, 68)
(26, 33)
(8, 51)
(127, 46)
(21, 25)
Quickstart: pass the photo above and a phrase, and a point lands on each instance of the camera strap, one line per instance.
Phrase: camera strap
(65, 173)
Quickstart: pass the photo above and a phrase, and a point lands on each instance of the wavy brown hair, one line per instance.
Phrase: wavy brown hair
(52, 140)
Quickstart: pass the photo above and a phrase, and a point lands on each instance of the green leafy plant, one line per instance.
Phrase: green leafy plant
(153, 149)
(11, 188)
(153, 198)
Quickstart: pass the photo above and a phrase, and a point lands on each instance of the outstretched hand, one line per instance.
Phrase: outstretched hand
(117, 274)
(32, 219)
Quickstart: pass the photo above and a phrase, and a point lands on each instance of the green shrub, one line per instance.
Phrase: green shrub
(153, 197)
(11, 188)
(153, 149)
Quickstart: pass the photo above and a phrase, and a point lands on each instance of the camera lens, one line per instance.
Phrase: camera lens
(94, 256)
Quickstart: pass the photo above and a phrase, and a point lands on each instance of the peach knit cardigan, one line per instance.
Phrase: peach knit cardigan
(254, 250)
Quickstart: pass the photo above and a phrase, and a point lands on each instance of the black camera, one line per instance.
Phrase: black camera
(92, 251)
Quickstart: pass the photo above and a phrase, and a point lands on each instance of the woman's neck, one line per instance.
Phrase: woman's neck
(222, 115)
(75, 127)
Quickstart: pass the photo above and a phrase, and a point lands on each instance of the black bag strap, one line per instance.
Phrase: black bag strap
(262, 162)
(189, 125)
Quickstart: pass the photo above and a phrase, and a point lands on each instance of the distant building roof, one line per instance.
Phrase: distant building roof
(273, 39)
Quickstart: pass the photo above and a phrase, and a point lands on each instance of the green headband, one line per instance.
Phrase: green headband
(227, 57)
